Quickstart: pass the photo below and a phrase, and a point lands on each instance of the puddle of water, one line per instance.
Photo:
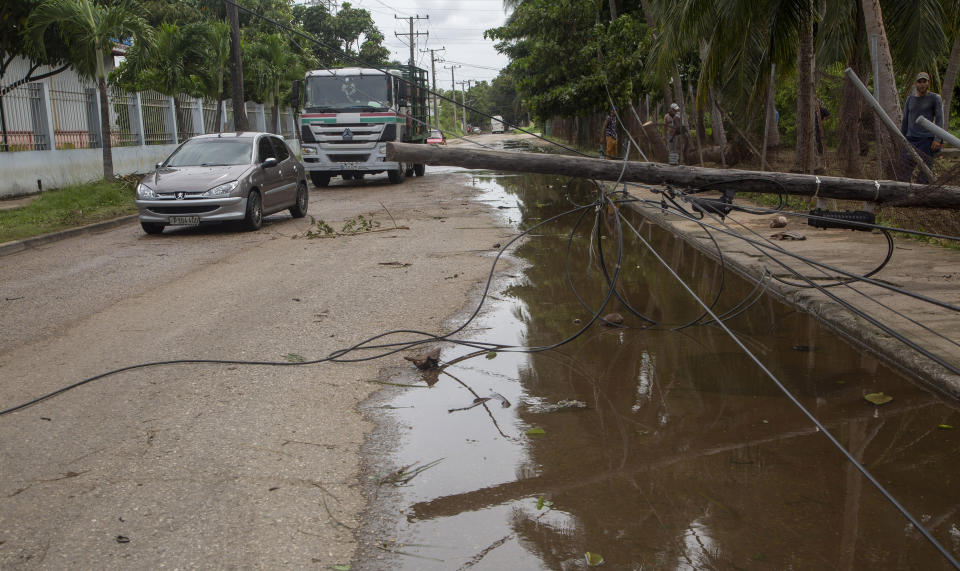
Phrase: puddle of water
(685, 454)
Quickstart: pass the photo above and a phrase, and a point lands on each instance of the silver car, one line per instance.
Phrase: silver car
(229, 176)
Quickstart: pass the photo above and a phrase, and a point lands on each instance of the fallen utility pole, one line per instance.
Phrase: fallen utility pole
(938, 131)
(885, 119)
(699, 178)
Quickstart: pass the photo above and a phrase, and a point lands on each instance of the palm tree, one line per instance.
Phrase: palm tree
(169, 63)
(272, 61)
(951, 8)
(216, 46)
(90, 29)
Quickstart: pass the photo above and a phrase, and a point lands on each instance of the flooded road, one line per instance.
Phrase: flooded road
(650, 446)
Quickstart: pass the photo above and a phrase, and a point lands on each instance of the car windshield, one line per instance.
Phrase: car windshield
(347, 93)
(212, 152)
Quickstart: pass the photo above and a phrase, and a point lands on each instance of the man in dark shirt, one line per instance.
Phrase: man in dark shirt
(610, 135)
(924, 104)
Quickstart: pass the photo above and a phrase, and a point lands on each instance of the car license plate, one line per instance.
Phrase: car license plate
(184, 220)
(348, 166)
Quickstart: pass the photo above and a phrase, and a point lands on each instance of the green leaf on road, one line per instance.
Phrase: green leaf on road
(593, 559)
(294, 358)
(945, 427)
(878, 398)
(536, 432)
(491, 355)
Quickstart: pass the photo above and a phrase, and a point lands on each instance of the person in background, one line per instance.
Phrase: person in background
(672, 129)
(609, 137)
(927, 104)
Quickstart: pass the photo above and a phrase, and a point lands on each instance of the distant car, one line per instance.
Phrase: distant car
(435, 137)
(477, 131)
(229, 176)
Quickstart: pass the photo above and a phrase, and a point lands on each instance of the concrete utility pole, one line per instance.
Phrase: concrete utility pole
(413, 36)
(463, 96)
(433, 74)
(453, 89)
(236, 70)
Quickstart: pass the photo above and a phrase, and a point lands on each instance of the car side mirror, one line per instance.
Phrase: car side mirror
(158, 165)
(269, 162)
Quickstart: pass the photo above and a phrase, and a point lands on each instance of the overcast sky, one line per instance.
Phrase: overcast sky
(456, 25)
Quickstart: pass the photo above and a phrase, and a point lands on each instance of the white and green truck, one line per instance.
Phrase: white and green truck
(350, 114)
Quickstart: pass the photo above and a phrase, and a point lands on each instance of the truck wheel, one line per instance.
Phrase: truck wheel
(419, 169)
(397, 176)
(320, 179)
(359, 176)
(346, 176)
(409, 171)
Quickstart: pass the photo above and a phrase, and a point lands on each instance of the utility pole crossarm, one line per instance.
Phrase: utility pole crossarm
(413, 35)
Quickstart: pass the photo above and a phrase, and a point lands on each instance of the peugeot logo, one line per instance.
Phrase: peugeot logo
(180, 195)
(347, 134)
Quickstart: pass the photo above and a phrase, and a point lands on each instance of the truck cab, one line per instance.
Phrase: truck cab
(350, 114)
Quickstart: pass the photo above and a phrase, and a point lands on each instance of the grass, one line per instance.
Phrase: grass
(68, 207)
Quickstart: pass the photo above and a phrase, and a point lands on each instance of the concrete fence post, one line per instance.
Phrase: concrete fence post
(261, 120)
(198, 126)
(94, 135)
(41, 116)
(172, 121)
(135, 111)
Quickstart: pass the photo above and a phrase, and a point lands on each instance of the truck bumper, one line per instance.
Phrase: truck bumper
(336, 161)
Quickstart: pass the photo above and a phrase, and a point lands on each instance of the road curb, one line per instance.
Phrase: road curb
(20, 245)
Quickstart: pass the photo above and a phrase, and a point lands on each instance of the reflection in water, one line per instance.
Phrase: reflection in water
(685, 455)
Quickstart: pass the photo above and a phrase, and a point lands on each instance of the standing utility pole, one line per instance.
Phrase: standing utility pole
(236, 70)
(413, 36)
(463, 97)
(453, 90)
(433, 74)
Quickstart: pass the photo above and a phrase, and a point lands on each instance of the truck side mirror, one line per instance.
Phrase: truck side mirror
(295, 90)
(403, 93)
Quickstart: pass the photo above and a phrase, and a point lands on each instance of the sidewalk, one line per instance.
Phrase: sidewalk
(915, 266)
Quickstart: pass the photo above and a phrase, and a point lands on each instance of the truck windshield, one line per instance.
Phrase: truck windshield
(347, 93)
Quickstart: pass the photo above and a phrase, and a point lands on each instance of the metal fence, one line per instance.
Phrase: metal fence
(64, 113)
(18, 109)
(156, 118)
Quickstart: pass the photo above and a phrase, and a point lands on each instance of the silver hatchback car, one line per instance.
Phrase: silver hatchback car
(229, 176)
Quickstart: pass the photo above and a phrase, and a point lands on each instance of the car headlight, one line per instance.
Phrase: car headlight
(308, 150)
(222, 190)
(145, 191)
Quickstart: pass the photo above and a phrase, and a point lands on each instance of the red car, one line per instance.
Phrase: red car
(435, 137)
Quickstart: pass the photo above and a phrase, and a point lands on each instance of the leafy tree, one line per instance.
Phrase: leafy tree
(273, 64)
(352, 31)
(13, 19)
(89, 28)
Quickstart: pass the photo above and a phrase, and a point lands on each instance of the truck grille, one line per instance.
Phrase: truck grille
(344, 158)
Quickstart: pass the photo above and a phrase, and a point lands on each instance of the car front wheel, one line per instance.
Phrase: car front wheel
(152, 227)
(299, 209)
(254, 216)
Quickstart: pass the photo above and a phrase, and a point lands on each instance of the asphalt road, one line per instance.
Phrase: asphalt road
(208, 465)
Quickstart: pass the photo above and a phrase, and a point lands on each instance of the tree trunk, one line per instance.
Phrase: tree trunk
(236, 71)
(613, 10)
(105, 129)
(716, 123)
(220, 100)
(950, 80)
(806, 99)
(887, 96)
(848, 151)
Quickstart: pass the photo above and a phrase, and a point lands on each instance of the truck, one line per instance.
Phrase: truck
(496, 124)
(348, 115)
